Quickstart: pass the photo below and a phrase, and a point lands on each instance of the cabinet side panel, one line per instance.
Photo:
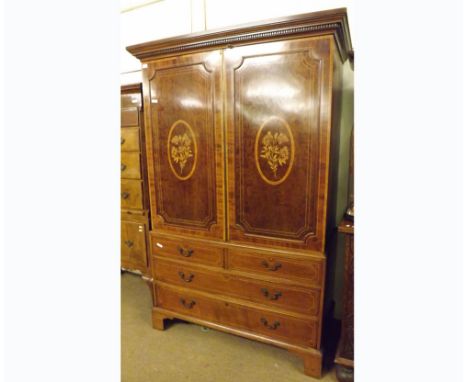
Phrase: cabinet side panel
(338, 201)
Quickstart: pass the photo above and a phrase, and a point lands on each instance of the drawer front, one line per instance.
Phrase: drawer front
(133, 243)
(187, 250)
(306, 271)
(130, 139)
(130, 165)
(272, 294)
(129, 116)
(131, 194)
(274, 325)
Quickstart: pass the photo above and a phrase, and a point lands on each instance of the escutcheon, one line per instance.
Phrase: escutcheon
(182, 149)
(274, 150)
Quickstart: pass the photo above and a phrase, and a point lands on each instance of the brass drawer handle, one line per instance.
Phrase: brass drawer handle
(129, 243)
(185, 304)
(273, 267)
(122, 141)
(275, 325)
(185, 252)
(186, 279)
(123, 167)
(125, 195)
(272, 297)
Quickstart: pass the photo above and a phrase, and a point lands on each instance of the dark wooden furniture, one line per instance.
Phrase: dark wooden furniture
(134, 195)
(345, 354)
(242, 144)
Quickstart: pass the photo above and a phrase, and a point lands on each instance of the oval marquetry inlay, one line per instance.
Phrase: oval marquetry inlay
(274, 150)
(182, 149)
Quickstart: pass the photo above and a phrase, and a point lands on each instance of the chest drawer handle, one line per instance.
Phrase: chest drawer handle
(122, 141)
(123, 167)
(273, 296)
(125, 195)
(186, 279)
(273, 267)
(265, 323)
(185, 304)
(129, 243)
(185, 252)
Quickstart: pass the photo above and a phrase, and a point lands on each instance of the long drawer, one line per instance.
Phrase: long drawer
(282, 296)
(187, 250)
(131, 196)
(274, 325)
(305, 271)
(130, 165)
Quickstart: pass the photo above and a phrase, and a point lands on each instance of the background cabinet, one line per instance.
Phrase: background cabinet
(345, 354)
(133, 189)
(243, 136)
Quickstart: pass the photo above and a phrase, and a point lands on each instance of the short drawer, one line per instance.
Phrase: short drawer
(274, 325)
(187, 250)
(130, 165)
(129, 116)
(131, 194)
(130, 139)
(133, 243)
(306, 271)
(292, 298)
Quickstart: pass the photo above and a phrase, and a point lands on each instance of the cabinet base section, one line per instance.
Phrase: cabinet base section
(312, 357)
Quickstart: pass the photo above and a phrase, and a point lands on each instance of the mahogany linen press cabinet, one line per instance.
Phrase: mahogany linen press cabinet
(242, 134)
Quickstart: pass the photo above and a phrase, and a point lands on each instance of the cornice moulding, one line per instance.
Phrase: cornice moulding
(331, 22)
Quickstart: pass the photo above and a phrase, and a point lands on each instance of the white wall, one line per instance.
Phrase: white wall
(146, 20)
(154, 21)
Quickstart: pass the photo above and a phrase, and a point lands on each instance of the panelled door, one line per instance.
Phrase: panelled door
(185, 150)
(278, 133)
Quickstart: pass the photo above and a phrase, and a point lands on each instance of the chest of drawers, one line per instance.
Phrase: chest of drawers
(272, 296)
(134, 199)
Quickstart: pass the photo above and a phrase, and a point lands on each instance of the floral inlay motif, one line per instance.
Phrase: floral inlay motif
(274, 150)
(181, 150)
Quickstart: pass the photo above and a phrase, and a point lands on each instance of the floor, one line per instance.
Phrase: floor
(190, 353)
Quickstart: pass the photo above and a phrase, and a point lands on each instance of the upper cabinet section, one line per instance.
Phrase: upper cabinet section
(185, 162)
(240, 129)
(278, 133)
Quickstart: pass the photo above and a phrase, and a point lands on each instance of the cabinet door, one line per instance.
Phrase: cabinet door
(278, 132)
(185, 150)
